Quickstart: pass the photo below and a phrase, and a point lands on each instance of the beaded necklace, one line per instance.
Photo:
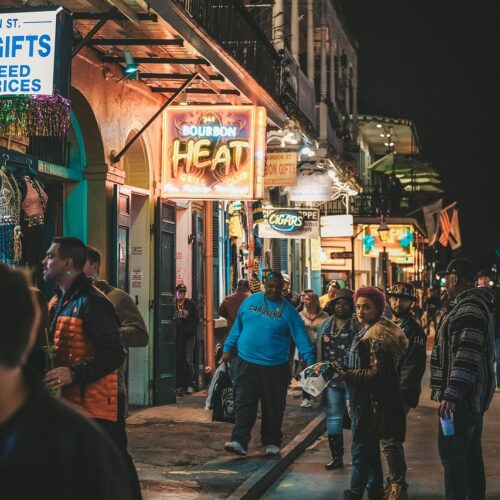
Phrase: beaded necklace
(277, 312)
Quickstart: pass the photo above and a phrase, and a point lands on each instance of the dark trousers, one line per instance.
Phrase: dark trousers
(116, 431)
(185, 361)
(395, 455)
(462, 457)
(366, 467)
(254, 383)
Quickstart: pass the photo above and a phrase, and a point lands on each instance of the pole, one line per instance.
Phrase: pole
(294, 29)
(209, 286)
(310, 41)
(353, 267)
(384, 269)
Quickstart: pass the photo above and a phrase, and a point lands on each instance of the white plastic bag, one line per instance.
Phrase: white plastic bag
(315, 378)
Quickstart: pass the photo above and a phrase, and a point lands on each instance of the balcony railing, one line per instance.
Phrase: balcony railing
(51, 149)
(371, 203)
(297, 87)
(230, 23)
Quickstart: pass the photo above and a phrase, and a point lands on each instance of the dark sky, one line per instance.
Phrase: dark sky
(438, 64)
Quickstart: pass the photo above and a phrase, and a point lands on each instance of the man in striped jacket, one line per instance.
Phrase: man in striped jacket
(463, 379)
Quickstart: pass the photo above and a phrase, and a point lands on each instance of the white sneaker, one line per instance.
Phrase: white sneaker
(235, 447)
(189, 390)
(270, 449)
(306, 403)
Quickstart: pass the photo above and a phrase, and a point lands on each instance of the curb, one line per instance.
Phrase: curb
(258, 483)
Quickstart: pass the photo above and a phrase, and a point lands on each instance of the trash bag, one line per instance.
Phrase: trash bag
(223, 398)
(315, 378)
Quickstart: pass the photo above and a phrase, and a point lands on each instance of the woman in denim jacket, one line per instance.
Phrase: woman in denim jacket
(332, 344)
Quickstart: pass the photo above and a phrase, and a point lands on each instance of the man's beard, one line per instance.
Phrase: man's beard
(401, 313)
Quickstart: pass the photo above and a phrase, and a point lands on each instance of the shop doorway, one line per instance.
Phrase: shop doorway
(133, 271)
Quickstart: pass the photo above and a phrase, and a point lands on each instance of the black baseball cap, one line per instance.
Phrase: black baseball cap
(181, 287)
(463, 268)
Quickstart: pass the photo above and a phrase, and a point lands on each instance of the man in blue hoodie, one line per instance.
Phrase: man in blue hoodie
(264, 327)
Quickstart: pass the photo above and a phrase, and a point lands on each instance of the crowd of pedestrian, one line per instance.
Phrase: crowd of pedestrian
(380, 363)
(76, 347)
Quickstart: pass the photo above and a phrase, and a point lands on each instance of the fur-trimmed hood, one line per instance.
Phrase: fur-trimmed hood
(387, 336)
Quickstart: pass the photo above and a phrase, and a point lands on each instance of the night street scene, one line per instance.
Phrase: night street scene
(249, 249)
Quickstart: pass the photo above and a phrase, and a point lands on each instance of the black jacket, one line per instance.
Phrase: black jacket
(100, 324)
(48, 450)
(187, 326)
(376, 402)
(412, 365)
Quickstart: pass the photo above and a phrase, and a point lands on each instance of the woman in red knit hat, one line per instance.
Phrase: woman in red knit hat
(375, 402)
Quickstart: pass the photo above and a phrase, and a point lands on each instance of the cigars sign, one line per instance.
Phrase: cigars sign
(214, 152)
(297, 223)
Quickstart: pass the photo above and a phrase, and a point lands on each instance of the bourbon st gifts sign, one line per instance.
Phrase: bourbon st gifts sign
(214, 152)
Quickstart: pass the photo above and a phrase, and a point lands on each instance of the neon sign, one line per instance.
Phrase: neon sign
(300, 223)
(285, 221)
(214, 152)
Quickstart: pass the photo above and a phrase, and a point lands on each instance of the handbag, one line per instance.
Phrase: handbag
(223, 398)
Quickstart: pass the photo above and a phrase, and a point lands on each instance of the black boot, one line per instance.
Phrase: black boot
(349, 495)
(336, 442)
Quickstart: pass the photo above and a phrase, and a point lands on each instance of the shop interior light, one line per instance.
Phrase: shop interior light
(382, 135)
(130, 67)
(379, 125)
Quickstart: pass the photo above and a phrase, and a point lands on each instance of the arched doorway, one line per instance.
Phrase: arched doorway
(137, 185)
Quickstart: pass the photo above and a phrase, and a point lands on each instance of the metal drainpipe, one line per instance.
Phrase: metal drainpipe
(209, 286)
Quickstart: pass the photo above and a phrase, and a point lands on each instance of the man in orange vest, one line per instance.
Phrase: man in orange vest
(87, 344)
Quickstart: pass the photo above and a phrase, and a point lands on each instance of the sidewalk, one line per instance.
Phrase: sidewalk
(178, 450)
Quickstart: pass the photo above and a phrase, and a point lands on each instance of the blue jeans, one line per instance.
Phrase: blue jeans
(462, 457)
(335, 398)
(366, 467)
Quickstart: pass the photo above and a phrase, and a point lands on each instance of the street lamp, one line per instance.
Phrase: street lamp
(353, 265)
(383, 233)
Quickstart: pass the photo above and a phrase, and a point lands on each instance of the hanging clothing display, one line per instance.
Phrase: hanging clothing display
(10, 207)
(235, 227)
(23, 202)
(32, 221)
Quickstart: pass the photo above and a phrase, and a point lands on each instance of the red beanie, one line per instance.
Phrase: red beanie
(374, 294)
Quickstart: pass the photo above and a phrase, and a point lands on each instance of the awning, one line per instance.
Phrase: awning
(168, 48)
(375, 131)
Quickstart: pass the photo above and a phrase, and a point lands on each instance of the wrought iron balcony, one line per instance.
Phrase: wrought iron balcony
(231, 24)
(55, 150)
(371, 203)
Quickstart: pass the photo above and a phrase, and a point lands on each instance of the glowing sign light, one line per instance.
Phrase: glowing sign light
(286, 221)
(214, 152)
(208, 131)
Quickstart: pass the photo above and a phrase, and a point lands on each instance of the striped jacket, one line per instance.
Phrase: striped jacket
(463, 357)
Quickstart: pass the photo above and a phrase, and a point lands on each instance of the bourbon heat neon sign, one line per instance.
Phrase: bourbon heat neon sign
(214, 152)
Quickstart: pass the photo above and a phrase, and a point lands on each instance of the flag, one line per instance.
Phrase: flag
(455, 237)
(431, 215)
(445, 224)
